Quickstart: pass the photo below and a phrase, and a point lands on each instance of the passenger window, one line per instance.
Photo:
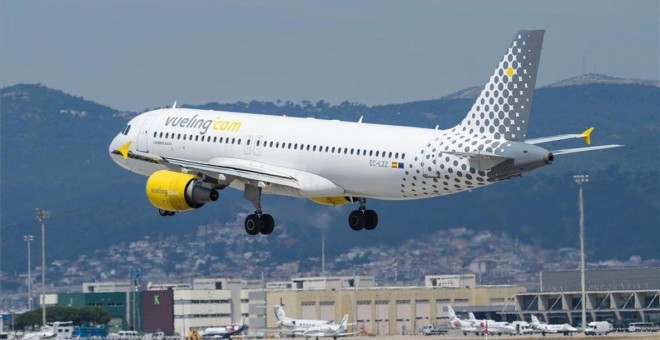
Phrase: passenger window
(196, 138)
(239, 141)
(154, 134)
(167, 135)
(233, 140)
(403, 156)
(351, 151)
(178, 136)
(215, 139)
(396, 155)
(390, 154)
(377, 152)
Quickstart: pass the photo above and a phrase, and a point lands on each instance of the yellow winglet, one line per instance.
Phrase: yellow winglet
(587, 134)
(124, 149)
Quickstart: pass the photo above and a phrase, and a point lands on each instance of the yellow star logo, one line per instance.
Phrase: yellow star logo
(510, 72)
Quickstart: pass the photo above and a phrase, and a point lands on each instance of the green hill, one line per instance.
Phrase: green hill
(55, 156)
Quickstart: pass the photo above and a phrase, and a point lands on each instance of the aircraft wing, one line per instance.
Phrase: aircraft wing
(228, 169)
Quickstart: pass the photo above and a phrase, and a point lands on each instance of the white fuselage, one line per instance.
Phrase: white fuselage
(334, 158)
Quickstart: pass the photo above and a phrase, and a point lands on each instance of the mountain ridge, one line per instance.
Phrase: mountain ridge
(60, 162)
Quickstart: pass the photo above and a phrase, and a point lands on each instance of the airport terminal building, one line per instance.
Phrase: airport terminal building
(613, 295)
(616, 295)
(181, 308)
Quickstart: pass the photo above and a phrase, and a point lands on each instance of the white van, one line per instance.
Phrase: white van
(598, 327)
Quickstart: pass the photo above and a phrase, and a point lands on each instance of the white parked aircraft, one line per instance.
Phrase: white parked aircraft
(494, 327)
(328, 330)
(224, 332)
(465, 326)
(565, 328)
(297, 326)
(189, 155)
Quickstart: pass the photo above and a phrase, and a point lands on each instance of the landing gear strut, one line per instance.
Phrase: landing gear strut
(363, 218)
(258, 222)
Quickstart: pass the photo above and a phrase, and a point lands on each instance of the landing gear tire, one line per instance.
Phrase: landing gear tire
(357, 220)
(253, 224)
(267, 224)
(371, 219)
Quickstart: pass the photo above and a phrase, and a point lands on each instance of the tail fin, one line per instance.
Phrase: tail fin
(471, 316)
(452, 314)
(279, 313)
(344, 322)
(502, 110)
(535, 320)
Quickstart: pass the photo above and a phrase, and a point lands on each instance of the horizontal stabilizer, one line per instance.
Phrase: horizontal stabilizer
(585, 149)
(586, 135)
(480, 160)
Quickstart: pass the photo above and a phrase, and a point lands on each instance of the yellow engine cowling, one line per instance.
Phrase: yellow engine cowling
(175, 191)
(333, 201)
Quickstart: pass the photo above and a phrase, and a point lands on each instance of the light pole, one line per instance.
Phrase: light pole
(580, 180)
(28, 239)
(42, 215)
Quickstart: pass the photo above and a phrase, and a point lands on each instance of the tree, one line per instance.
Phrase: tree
(79, 316)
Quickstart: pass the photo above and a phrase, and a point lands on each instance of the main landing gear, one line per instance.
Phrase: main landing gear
(363, 218)
(258, 222)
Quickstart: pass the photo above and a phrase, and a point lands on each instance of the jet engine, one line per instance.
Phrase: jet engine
(174, 191)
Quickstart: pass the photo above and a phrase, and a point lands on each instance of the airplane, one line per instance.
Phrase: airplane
(224, 332)
(565, 328)
(190, 155)
(328, 330)
(494, 327)
(491, 326)
(465, 326)
(297, 326)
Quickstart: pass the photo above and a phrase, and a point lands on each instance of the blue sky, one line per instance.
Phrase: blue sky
(134, 55)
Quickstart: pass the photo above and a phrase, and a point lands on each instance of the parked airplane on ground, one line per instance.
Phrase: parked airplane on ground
(224, 332)
(297, 326)
(465, 326)
(494, 327)
(565, 328)
(329, 330)
(189, 155)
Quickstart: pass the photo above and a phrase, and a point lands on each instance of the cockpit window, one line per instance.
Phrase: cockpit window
(126, 129)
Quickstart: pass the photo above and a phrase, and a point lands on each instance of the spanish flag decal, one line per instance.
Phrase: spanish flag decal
(397, 165)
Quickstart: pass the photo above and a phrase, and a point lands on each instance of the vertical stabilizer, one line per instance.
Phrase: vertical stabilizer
(279, 313)
(344, 323)
(503, 107)
(452, 314)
